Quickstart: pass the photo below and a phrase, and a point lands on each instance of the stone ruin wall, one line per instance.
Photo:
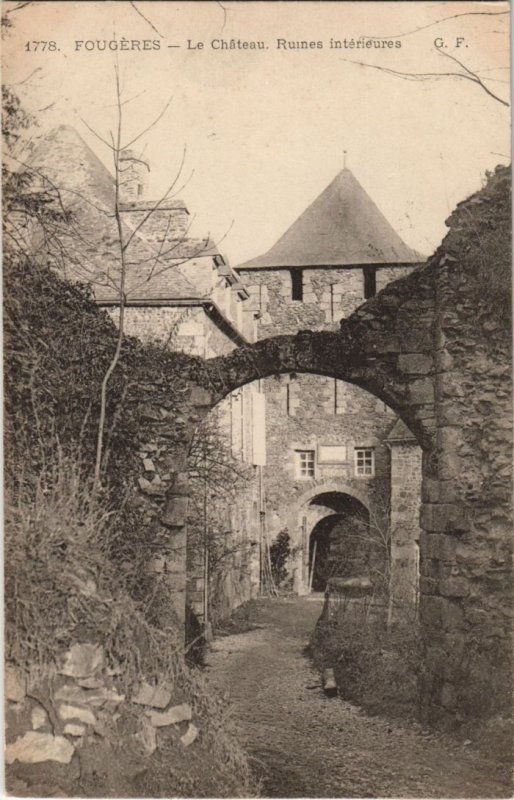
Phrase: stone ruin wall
(191, 331)
(466, 546)
(406, 457)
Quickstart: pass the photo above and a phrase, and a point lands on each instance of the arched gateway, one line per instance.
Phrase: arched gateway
(416, 349)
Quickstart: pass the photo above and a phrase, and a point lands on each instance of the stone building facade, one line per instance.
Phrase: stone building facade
(330, 460)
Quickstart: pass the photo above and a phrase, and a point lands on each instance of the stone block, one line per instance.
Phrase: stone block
(449, 464)
(384, 344)
(454, 587)
(427, 585)
(437, 546)
(477, 616)
(190, 735)
(174, 715)
(34, 747)
(448, 437)
(200, 397)
(89, 683)
(414, 363)
(430, 611)
(148, 413)
(77, 713)
(443, 517)
(83, 661)
(38, 718)
(155, 696)
(413, 340)
(181, 483)
(72, 729)
(430, 490)
(421, 391)
(88, 697)
(15, 684)
(175, 511)
(444, 361)
(153, 488)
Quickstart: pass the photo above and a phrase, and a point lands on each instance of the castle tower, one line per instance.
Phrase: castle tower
(328, 470)
(134, 171)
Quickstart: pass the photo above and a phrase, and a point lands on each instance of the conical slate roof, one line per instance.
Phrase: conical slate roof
(342, 227)
(91, 242)
(64, 157)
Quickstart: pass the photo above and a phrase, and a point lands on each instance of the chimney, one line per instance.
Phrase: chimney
(134, 172)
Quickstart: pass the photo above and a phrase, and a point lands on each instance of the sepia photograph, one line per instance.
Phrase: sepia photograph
(257, 344)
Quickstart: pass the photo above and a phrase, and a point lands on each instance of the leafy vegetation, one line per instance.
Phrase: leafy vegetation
(280, 550)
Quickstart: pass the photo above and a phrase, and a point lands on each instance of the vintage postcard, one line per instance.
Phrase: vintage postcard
(257, 360)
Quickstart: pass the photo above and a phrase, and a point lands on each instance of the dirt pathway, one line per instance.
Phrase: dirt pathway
(304, 744)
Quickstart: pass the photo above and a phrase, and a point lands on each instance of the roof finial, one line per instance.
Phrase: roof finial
(344, 158)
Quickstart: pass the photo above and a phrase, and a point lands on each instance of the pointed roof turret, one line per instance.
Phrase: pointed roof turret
(64, 157)
(342, 227)
(400, 433)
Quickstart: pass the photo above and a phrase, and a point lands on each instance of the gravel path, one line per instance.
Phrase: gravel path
(303, 744)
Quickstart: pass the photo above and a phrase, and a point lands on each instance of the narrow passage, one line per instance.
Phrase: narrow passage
(303, 744)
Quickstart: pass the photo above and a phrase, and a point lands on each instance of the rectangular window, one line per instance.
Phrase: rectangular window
(304, 464)
(296, 284)
(370, 282)
(364, 461)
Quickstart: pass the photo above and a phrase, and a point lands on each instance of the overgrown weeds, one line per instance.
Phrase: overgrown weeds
(375, 666)
(62, 587)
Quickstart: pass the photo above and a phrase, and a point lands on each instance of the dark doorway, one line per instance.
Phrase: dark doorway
(343, 544)
(320, 561)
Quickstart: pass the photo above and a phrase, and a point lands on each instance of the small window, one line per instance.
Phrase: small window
(370, 282)
(340, 399)
(364, 461)
(139, 189)
(305, 464)
(296, 284)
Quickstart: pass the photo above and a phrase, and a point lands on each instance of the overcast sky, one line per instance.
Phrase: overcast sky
(265, 130)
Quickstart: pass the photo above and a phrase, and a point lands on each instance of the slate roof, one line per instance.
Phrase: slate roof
(400, 433)
(342, 227)
(91, 242)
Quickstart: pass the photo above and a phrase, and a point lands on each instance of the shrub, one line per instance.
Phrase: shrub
(280, 551)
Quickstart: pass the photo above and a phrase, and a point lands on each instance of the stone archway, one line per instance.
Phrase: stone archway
(307, 511)
(432, 347)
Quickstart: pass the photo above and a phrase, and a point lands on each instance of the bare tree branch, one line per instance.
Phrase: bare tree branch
(439, 22)
(136, 9)
(29, 76)
(18, 7)
(122, 299)
(95, 133)
(425, 76)
(149, 127)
